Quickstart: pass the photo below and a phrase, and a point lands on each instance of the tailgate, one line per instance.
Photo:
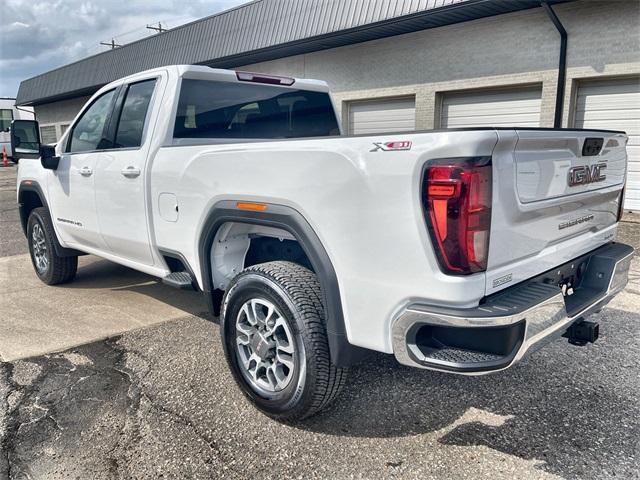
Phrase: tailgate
(555, 197)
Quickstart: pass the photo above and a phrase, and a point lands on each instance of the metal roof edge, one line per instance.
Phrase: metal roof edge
(400, 25)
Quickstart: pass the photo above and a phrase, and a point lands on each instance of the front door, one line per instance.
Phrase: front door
(120, 180)
(71, 186)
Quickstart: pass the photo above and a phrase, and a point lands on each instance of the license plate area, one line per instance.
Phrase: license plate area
(586, 279)
(568, 277)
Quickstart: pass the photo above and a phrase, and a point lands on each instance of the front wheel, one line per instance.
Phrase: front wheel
(51, 268)
(275, 341)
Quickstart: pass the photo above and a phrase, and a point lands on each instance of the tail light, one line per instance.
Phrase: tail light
(457, 203)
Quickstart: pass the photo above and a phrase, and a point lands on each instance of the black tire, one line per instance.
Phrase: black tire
(296, 293)
(59, 269)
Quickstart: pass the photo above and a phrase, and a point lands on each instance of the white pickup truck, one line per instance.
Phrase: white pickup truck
(454, 250)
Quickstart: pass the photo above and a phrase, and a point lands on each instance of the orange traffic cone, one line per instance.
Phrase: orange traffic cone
(5, 160)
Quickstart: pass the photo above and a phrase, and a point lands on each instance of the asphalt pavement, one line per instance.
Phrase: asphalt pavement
(159, 402)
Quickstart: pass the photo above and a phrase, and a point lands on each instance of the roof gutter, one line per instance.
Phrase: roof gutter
(562, 64)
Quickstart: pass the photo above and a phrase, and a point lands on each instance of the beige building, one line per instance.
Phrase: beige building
(468, 70)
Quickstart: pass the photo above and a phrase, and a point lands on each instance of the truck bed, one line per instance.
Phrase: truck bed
(365, 202)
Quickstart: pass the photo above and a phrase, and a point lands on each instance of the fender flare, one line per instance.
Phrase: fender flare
(279, 216)
(33, 186)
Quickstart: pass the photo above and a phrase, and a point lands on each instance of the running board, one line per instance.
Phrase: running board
(180, 280)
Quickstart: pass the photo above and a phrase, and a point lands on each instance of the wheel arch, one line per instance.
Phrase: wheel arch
(292, 221)
(30, 196)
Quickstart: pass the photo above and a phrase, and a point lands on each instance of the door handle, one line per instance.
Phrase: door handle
(86, 171)
(130, 171)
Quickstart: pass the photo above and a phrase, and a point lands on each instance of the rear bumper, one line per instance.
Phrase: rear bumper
(507, 325)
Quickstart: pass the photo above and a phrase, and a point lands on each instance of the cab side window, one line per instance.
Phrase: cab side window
(89, 133)
(134, 112)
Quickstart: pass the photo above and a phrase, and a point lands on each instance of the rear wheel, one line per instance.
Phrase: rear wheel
(51, 268)
(275, 341)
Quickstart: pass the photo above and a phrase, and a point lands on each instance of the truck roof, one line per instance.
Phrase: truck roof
(223, 75)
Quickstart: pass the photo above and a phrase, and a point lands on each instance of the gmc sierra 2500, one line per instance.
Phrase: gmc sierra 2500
(454, 250)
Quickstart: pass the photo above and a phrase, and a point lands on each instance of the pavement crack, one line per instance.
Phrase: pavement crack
(183, 421)
(41, 416)
(13, 417)
(125, 437)
(186, 422)
(6, 444)
(139, 395)
(154, 402)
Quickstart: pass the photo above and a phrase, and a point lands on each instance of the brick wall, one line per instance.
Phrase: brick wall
(507, 50)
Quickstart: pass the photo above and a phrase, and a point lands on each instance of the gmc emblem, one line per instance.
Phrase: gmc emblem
(586, 174)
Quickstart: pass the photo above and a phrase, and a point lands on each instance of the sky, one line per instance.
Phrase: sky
(39, 35)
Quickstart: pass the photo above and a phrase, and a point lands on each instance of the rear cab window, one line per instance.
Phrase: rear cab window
(229, 110)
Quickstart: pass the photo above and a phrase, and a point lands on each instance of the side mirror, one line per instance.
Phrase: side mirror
(25, 139)
(48, 157)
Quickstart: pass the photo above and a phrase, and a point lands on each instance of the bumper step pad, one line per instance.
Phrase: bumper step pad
(180, 280)
(460, 355)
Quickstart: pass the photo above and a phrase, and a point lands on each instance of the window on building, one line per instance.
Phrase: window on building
(89, 132)
(210, 109)
(134, 113)
(63, 128)
(6, 116)
(48, 134)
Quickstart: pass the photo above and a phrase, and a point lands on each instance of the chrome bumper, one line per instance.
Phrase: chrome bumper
(498, 333)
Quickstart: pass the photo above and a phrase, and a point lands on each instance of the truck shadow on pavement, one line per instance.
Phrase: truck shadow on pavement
(575, 409)
(104, 274)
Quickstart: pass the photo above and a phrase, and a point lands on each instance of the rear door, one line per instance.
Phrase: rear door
(121, 202)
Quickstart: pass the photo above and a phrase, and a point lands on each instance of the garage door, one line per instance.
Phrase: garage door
(380, 116)
(492, 108)
(48, 134)
(615, 105)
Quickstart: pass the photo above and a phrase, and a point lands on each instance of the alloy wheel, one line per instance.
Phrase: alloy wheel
(40, 252)
(265, 346)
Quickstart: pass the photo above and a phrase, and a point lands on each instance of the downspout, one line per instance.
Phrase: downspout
(562, 64)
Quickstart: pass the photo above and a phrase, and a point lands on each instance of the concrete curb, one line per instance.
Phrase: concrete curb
(631, 217)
